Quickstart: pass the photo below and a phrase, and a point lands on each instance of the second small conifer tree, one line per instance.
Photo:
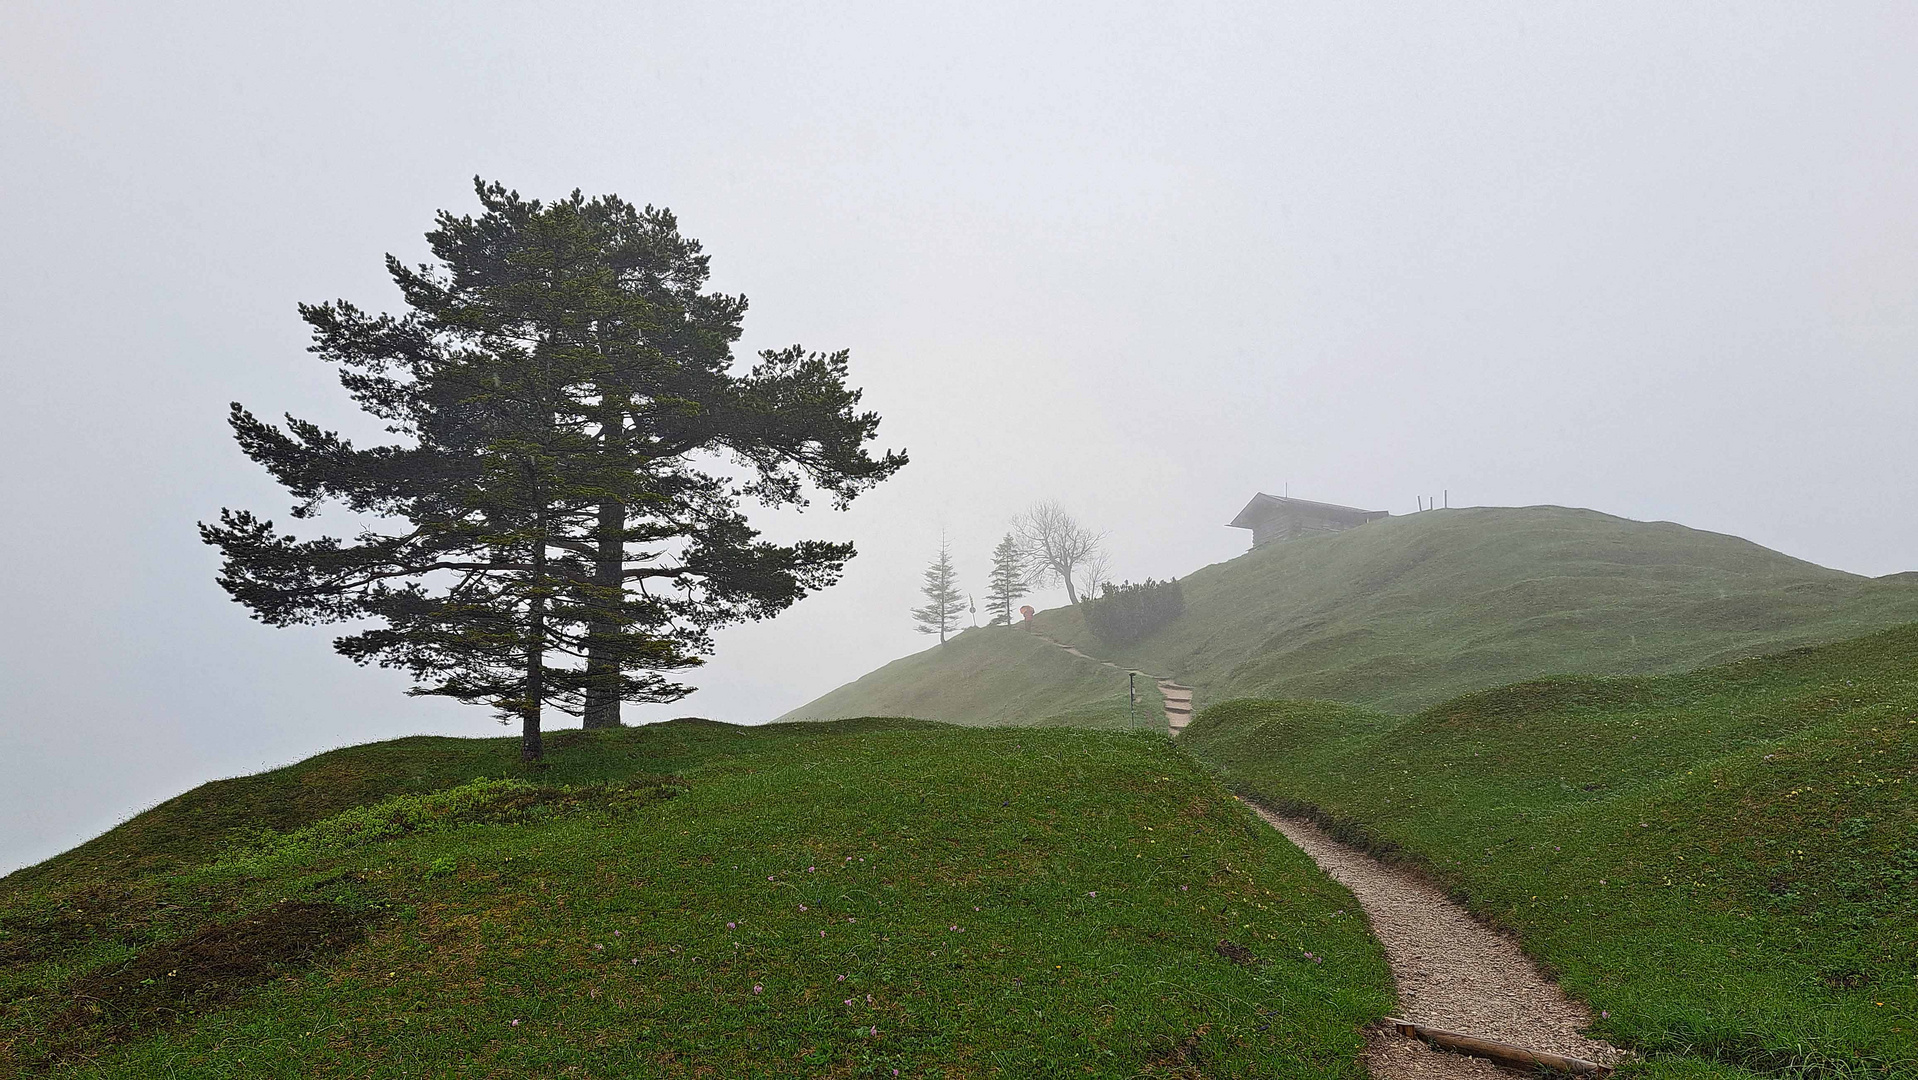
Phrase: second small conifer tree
(1008, 581)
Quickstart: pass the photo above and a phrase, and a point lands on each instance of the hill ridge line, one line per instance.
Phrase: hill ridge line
(1401, 614)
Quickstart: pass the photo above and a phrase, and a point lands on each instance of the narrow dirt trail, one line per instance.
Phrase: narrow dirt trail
(1178, 699)
(1452, 972)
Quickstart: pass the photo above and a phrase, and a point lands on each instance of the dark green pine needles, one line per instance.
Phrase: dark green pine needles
(558, 528)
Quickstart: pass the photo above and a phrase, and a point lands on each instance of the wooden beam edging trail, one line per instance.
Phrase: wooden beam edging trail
(1454, 974)
(1516, 1057)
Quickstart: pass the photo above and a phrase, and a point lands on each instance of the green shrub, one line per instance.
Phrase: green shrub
(1126, 612)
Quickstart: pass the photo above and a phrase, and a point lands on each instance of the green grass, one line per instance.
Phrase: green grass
(1725, 861)
(693, 899)
(1403, 613)
(996, 675)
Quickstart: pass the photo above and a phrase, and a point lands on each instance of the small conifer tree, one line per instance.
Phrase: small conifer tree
(1007, 583)
(944, 602)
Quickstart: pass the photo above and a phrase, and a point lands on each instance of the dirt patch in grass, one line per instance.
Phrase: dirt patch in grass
(1236, 953)
(1183, 1061)
(206, 968)
(35, 935)
(527, 804)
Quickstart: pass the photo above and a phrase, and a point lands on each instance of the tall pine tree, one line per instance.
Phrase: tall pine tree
(562, 386)
(1007, 582)
(944, 601)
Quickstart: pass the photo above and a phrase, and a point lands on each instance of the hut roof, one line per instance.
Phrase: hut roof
(1263, 506)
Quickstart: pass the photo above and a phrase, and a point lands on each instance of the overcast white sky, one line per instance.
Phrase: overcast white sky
(1656, 259)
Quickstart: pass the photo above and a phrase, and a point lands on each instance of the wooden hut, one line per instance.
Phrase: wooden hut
(1272, 518)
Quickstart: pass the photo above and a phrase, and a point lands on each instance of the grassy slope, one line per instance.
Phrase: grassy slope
(1726, 860)
(1027, 902)
(1408, 611)
(994, 675)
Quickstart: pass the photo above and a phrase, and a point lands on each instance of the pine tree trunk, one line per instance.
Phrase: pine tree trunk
(530, 746)
(602, 668)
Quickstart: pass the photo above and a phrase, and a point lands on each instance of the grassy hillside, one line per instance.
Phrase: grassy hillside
(1725, 861)
(1409, 611)
(860, 899)
(995, 675)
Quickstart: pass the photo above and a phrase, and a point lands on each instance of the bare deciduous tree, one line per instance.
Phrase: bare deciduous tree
(1055, 545)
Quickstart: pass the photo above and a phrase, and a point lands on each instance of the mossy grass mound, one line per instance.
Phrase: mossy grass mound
(692, 898)
(1724, 862)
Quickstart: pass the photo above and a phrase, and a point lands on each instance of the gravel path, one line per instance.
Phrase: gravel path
(1452, 972)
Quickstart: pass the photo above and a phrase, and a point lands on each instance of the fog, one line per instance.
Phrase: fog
(1659, 260)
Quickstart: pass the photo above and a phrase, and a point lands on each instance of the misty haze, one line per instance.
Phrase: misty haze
(1137, 541)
